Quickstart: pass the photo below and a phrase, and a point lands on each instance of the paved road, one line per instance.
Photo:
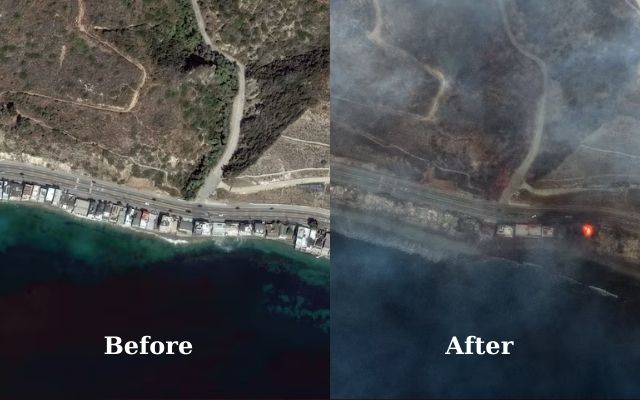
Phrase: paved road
(83, 186)
(376, 182)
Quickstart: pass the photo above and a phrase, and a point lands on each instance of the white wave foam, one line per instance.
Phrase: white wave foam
(603, 292)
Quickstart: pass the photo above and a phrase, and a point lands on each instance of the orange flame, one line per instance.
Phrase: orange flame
(588, 230)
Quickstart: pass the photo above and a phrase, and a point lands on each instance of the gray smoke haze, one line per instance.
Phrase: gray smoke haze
(590, 48)
(393, 314)
(363, 73)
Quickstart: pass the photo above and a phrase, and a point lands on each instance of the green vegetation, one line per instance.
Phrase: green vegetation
(284, 44)
(209, 109)
(264, 31)
(287, 88)
(175, 45)
(79, 43)
(176, 35)
(299, 308)
(189, 88)
(6, 52)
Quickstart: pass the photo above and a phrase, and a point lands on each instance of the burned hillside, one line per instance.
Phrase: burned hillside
(453, 107)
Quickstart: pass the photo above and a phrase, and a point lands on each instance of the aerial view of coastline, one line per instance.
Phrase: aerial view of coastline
(256, 312)
(484, 187)
(164, 171)
(349, 199)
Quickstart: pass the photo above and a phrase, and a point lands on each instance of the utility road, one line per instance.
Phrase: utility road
(214, 178)
(519, 176)
(86, 187)
(279, 185)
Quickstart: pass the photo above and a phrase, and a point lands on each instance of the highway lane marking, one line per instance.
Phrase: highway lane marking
(115, 191)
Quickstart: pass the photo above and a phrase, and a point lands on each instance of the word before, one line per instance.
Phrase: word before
(491, 347)
(114, 346)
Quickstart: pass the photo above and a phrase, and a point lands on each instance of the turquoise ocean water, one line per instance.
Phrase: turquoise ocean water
(256, 311)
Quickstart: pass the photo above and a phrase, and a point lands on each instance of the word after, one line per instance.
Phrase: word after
(146, 346)
(475, 345)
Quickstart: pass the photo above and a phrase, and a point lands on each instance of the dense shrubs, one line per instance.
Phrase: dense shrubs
(287, 88)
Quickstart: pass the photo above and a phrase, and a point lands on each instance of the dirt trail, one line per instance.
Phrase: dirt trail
(92, 143)
(376, 37)
(518, 177)
(578, 189)
(305, 141)
(277, 185)
(618, 153)
(215, 175)
(634, 4)
(136, 92)
(563, 191)
(99, 106)
(393, 146)
(126, 27)
(291, 171)
(63, 53)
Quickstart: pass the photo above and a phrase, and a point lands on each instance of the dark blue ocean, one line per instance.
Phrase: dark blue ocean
(256, 312)
(393, 316)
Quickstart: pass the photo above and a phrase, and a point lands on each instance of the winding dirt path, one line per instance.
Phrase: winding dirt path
(99, 106)
(519, 175)
(215, 175)
(376, 37)
(278, 185)
(136, 63)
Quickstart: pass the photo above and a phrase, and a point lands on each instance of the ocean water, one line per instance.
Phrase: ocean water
(393, 316)
(256, 312)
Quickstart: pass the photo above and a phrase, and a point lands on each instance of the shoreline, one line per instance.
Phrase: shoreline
(593, 271)
(174, 239)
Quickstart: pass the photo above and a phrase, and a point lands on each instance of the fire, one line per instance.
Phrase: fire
(588, 230)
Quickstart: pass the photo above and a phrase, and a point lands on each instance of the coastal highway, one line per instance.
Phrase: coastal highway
(86, 187)
(379, 183)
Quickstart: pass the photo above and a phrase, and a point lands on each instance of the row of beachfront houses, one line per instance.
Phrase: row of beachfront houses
(307, 239)
(524, 231)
